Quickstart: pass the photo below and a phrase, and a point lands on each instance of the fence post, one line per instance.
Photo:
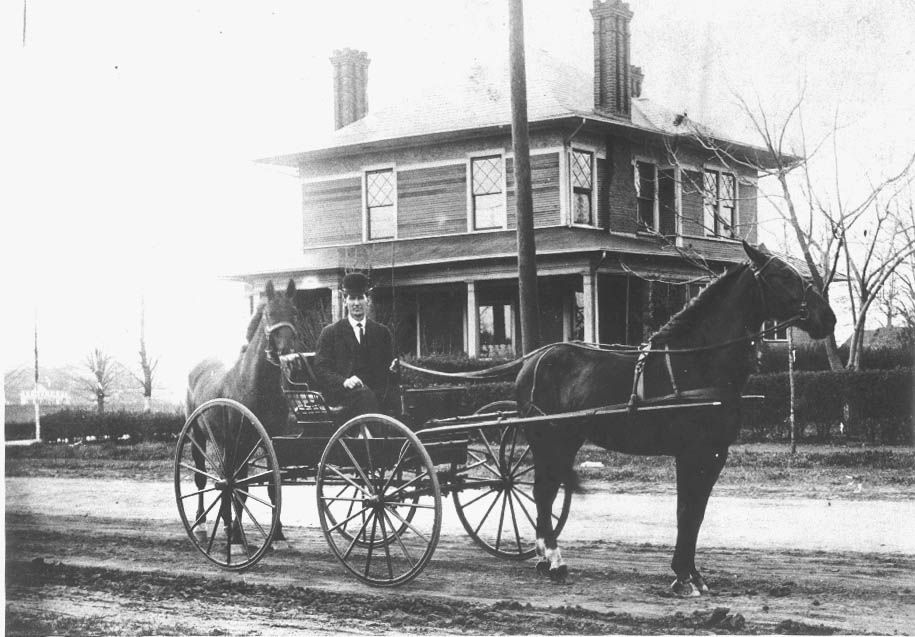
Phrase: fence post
(791, 389)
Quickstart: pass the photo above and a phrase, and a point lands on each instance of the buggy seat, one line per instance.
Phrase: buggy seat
(299, 388)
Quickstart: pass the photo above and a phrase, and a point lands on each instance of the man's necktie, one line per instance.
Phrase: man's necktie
(361, 333)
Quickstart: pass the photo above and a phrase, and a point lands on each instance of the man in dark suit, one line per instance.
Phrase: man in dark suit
(355, 354)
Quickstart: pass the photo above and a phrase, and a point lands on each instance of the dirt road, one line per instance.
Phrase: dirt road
(113, 554)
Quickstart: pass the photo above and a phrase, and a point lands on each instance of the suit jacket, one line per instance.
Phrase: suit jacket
(338, 357)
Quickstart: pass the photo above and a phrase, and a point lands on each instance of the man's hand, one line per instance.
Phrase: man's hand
(352, 382)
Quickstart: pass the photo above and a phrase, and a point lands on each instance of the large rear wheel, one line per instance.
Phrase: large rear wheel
(227, 484)
(495, 503)
(379, 501)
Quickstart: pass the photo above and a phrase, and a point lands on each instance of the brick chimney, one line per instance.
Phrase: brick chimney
(350, 86)
(635, 72)
(612, 83)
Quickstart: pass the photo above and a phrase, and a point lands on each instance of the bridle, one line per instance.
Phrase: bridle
(803, 312)
(270, 351)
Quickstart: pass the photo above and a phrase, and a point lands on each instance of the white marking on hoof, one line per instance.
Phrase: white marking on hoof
(541, 548)
(684, 588)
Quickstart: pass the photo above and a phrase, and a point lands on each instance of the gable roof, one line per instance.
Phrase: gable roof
(480, 101)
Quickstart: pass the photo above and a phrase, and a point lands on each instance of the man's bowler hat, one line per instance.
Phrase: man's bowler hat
(355, 284)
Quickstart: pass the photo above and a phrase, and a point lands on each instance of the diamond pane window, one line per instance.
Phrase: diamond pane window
(488, 198)
(379, 199)
(582, 174)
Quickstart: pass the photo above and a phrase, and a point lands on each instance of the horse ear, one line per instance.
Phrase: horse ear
(270, 291)
(756, 256)
(290, 289)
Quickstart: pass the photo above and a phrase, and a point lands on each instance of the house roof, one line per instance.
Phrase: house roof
(480, 100)
(884, 337)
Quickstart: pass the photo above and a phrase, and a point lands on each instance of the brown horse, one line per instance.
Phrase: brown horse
(254, 381)
(703, 351)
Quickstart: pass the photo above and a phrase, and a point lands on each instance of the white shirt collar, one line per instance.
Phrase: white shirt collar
(352, 324)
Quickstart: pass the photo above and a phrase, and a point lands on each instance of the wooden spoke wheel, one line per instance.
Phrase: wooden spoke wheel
(227, 484)
(379, 501)
(496, 502)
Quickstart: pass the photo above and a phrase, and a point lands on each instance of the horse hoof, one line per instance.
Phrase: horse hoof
(699, 582)
(543, 567)
(559, 573)
(279, 545)
(684, 588)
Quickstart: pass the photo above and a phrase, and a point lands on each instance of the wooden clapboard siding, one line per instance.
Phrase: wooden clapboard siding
(332, 211)
(432, 201)
(544, 190)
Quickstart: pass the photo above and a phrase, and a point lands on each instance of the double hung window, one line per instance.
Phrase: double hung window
(719, 199)
(646, 193)
(487, 192)
(380, 196)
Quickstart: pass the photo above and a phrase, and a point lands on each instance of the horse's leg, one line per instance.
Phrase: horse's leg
(278, 535)
(697, 471)
(553, 459)
(200, 480)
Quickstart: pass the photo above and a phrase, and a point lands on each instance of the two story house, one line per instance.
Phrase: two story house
(632, 215)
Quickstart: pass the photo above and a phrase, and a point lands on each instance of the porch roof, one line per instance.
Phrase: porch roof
(438, 252)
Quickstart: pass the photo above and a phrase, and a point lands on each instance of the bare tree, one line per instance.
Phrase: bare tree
(866, 236)
(104, 376)
(148, 364)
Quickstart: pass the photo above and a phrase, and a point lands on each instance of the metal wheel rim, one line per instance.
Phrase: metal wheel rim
(402, 555)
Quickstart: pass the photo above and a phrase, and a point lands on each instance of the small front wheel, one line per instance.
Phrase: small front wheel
(379, 501)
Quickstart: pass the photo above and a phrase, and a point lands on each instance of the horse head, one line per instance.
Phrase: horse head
(282, 321)
(786, 295)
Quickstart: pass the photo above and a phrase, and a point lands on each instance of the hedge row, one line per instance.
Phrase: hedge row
(873, 406)
(812, 357)
(78, 424)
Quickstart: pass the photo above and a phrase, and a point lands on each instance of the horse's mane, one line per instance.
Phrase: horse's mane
(697, 309)
(255, 321)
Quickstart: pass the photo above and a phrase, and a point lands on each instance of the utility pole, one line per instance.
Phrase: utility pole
(527, 253)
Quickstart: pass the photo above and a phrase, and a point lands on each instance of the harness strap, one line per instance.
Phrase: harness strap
(670, 370)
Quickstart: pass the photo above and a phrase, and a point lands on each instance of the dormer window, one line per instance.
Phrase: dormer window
(582, 175)
(487, 192)
(381, 217)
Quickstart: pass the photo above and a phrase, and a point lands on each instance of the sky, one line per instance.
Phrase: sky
(130, 128)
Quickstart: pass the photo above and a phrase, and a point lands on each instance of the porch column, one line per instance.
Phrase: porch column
(419, 329)
(473, 321)
(589, 289)
(336, 305)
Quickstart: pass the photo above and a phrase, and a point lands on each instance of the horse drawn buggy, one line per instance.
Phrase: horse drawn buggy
(379, 480)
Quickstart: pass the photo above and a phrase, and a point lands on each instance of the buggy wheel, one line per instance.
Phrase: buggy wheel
(227, 484)
(495, 503)
(379, 501)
